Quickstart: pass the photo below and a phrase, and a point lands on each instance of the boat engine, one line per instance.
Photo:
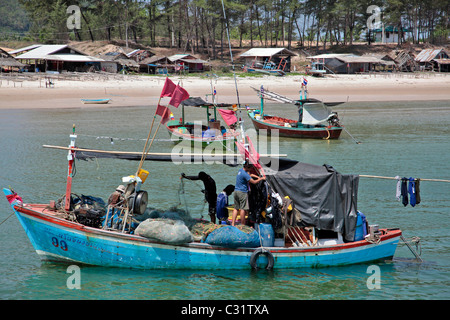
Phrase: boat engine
(138, 201)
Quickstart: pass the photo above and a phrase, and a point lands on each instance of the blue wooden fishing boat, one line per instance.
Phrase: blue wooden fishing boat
(60, 235)
(58, 239)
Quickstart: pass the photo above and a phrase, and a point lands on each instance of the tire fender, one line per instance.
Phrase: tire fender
(257, 253)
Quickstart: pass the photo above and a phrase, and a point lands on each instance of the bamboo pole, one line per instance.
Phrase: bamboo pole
(146, 142)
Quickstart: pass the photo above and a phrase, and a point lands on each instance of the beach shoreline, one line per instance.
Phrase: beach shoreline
(125, 90)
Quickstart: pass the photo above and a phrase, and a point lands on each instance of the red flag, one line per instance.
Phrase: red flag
(229, 116)
(164, 112)
(179, 94)
(168, 89)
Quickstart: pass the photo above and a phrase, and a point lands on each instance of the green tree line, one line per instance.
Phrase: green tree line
(200, 26)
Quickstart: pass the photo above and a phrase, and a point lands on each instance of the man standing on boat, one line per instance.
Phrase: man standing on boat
(210, 191)
(243, 178)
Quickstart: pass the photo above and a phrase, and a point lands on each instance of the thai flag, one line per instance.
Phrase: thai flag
(305, 82)
(215, 91)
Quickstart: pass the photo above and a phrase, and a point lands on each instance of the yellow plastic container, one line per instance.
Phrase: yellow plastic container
(143, 174)
(290, 206)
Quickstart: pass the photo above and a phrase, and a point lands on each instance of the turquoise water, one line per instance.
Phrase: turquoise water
(405, 139)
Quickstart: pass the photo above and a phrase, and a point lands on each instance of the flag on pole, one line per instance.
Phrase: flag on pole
(163, 112)
(168, 88)
(178, 95)
(305, 82)
(229, 116)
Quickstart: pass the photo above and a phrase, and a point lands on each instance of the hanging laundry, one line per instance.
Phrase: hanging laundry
(404, 191)
(412, 192)
(398, 191)
(418, 191)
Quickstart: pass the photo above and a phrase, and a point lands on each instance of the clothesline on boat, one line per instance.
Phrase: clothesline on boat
(394, 178)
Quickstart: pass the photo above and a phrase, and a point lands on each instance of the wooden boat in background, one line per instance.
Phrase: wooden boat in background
(95, 101)
(199, 134)
(317, 120)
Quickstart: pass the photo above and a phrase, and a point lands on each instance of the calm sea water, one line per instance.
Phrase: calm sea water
(408, 139)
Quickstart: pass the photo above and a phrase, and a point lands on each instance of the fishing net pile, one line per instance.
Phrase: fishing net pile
(176, 226)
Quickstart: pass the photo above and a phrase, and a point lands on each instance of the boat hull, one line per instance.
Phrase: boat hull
(313, 132)
(95, 101)
(276, 72)
(57, 239)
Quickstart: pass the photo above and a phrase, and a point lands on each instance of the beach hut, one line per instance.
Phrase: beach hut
(433, 59)
(404, 60)
(115, 61)
(56, 58)
(156, 65)
(347, 62)
(139, 55)
(8, 62)
(259, 57)
(188, 63)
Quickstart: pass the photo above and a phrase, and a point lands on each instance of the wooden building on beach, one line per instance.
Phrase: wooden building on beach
(116, 62)
(259, 57)
(188, 63)
(347, 63)
(156, 65)
(55, 58)
(433, 60)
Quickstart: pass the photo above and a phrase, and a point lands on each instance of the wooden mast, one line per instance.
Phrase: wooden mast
(71, 159)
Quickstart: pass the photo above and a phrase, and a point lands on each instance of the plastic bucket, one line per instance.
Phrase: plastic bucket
(267, 234)
(143, 174)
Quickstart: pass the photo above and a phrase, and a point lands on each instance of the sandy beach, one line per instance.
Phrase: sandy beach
(125, 90)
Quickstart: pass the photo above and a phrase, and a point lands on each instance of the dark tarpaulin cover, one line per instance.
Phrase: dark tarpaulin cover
(326, 199)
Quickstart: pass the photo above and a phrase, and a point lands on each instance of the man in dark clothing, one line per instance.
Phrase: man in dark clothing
(210, 191)
(222, 203)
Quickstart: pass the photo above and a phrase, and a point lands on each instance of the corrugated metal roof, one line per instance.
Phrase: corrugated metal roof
(179, 56)
(153, 59)
(266, 52)
(348, 58)
(193, 60)
(50, 52)
(42, 51)
(427, 55)
(359, 59)
(442, 61)
(71, 58)
(28, 48)
(329, 55)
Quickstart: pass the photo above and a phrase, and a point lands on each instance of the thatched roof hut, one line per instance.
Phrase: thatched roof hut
(7, 60)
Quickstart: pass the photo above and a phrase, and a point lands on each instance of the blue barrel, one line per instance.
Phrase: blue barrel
(267, 234)
(361, 229)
